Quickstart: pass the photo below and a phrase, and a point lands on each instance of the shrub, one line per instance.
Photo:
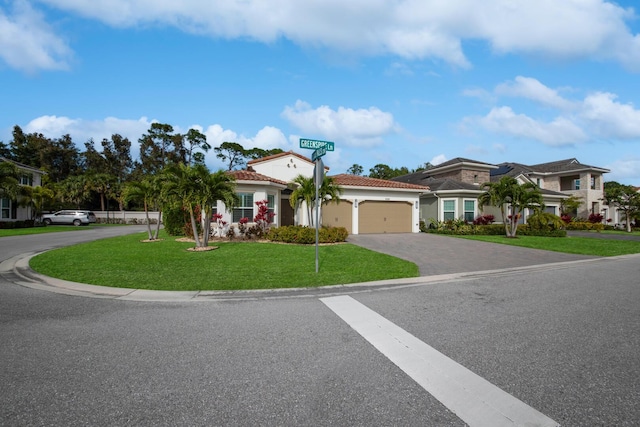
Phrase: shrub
(484, 220)
(595, 218)
(29, 223)
(585, 225)
(174, 219)
(307, 235)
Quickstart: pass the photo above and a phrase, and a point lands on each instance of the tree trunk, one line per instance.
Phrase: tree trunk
(157, 233)
(146, 214)
(194, 227)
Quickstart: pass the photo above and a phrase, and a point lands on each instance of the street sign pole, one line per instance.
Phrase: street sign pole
(321, 148)
(318, 178)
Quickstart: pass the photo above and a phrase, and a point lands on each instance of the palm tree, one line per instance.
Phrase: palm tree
(73, 190)
(148, 191)
(196, 188)
(304, 192)
(329, 191)
(101, 184)
(509, 193)
(35, 197)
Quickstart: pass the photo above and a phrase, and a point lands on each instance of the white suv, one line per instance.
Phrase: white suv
(69, 217)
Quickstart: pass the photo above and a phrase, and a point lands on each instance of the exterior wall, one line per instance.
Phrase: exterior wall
(468, 176)
(285, 168)
(17, 212)
(259, 192)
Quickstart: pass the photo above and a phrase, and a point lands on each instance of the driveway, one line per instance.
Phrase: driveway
(435, 254)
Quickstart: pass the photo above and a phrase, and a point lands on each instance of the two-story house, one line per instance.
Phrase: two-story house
(456, 184)
(10, 209)
(569, 177)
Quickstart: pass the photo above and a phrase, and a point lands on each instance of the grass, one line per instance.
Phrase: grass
(6, 232)
(125, 262)
(571, 245)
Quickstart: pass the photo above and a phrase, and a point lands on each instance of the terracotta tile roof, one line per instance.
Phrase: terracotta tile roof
(275, 156)
(363, 181)
(245, 175)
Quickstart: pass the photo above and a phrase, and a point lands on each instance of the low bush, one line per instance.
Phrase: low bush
(307, 235)
(17, 224)
(494, 230)
(585, 225)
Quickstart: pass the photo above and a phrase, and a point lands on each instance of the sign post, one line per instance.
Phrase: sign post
(320, 149)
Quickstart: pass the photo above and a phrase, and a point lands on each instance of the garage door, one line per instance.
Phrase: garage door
(338, 215)
(384, 217)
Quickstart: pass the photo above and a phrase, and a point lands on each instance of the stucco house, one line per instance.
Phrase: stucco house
(10, 210)
(367, 205)
(456, 184)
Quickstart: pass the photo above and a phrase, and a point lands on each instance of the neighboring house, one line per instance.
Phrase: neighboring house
(367, 205)
(456, 184)
(568, 177)
(10, 209)
(454, 189)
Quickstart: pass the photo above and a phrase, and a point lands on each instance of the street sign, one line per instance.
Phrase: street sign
(318, 153)
(314, 144)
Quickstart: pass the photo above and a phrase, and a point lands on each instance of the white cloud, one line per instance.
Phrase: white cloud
(560, 131)
(436, 160)
(27, 43)
(611, 119)
(529, 88)
(625, 170)
(411, 29)
(361, 128)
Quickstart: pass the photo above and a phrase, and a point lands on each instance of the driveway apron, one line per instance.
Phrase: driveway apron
(435, 254)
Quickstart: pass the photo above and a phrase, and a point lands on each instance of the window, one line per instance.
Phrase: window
(539, 182)
(593, 182)
(5, 208)
(576, 184)
(26, 180)
(245, 208)
(550, 209)
(469, 210)
(271, 204)
(448, 209)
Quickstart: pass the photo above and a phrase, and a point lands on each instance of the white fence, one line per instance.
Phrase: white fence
(125, 217)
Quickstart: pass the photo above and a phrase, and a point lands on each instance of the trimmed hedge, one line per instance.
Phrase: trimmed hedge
(497, 230)
(307, 235)
(585, 225)
(29, 223)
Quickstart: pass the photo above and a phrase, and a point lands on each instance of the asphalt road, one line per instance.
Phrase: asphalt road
(563, 339)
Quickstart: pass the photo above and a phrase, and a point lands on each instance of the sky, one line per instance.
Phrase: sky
(395, 82)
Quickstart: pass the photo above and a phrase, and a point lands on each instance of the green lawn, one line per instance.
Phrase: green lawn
(571, 245)
(167, 265)
(6, 232)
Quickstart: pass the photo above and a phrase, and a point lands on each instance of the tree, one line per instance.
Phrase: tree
(100, 183)
(233, 154)
(72, 190)
(155, 152)
(9, 179)
(304, 192)
(35, 197)
(355, 169)
(509, 194)
(117, 155)
(381, 171)
(570, 205)
(624, 198)
(196, 140)
(149, 193)
(198, 189)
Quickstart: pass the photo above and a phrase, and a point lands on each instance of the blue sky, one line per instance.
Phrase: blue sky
(398, 82)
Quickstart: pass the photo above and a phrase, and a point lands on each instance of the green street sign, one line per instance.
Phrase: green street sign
(318, 153)
(314, 144)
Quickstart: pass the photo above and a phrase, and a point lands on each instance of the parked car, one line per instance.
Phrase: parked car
(69, 217)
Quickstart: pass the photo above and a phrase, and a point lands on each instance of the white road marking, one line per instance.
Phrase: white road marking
(472, 398)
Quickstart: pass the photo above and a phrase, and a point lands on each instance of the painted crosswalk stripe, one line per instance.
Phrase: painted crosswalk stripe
(473, 399)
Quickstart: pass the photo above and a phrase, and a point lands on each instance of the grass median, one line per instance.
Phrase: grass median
(569, 245)
(126, 262)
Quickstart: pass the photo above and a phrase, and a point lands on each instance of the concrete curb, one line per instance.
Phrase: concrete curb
(17, 270)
